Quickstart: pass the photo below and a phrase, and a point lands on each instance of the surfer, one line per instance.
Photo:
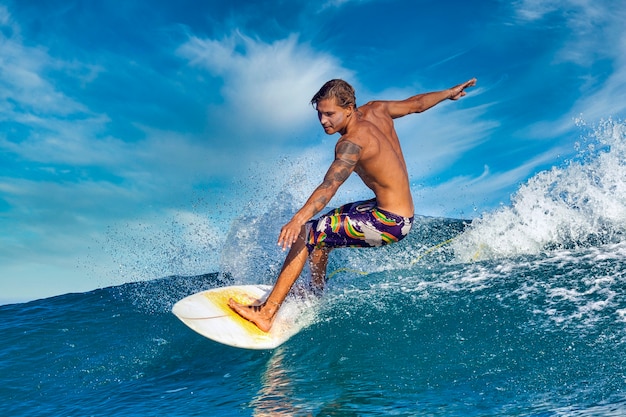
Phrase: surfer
(370, 147)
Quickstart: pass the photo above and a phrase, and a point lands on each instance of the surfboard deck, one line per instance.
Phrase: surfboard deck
(208, 313)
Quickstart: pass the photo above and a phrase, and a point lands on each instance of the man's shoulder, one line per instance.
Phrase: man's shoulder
(373, 106)
(375, 111)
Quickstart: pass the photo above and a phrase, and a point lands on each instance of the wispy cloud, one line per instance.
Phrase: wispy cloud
(465, 196)
(339, 3)
(532, 10)
(592, 36)
(435, 140)
(42, 123)
(266, 86)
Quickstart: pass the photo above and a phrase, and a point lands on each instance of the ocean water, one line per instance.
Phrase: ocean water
(521, 312)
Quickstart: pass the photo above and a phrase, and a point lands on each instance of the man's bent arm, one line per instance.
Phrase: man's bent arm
(347, 155)
(423, 102)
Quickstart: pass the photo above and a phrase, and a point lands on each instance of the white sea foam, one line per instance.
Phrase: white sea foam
(581, 203)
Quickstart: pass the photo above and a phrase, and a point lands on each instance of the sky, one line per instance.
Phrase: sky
(133, 133)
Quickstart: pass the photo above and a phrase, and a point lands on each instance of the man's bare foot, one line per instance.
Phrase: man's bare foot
(261, 315)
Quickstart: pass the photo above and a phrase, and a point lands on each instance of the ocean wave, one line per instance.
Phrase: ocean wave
(580, 204)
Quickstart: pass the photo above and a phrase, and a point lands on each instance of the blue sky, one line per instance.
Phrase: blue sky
(132, 133)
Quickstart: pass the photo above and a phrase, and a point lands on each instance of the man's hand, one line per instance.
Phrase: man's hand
(289, 234)
(459, 91)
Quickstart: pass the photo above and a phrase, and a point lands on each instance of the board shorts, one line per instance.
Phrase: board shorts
(359, 224)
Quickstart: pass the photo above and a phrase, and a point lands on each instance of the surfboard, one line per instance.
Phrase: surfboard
(208, 313)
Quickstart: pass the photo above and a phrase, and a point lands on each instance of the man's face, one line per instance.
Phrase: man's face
(333, 118)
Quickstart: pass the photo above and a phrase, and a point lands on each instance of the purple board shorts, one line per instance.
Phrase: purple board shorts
(359, 224)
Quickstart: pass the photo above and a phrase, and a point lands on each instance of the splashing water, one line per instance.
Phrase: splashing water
(580, 204)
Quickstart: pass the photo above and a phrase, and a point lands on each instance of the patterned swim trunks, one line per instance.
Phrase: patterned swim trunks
(359, 224)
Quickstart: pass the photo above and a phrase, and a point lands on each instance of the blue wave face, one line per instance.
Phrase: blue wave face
(525, 335)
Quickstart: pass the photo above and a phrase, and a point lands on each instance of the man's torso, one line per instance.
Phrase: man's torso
(381, 166)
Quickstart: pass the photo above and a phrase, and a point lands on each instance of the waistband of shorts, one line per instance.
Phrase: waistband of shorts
(394, 215)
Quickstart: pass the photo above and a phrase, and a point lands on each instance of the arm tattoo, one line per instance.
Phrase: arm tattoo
(320, 203)
(348, 152)
(347, 155)
(346, 158)
(338, 172)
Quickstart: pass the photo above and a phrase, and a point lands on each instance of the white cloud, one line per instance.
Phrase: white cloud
(267, 86)
(535, 9)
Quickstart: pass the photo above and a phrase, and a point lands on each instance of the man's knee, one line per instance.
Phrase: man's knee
(318, 254)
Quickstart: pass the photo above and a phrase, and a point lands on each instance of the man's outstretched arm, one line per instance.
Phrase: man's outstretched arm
(423, 102)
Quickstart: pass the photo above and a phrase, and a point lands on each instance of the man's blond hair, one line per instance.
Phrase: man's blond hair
(341, 91)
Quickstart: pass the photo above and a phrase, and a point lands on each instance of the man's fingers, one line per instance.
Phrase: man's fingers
(282, 239)
(286, 239)
(289, 234)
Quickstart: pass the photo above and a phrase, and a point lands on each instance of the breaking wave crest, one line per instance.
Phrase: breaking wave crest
(580, 204)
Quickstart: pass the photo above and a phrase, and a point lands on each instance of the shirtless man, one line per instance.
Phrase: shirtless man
(370, 147)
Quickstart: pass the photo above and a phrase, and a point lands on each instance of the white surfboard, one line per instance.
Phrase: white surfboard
(208, 313)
